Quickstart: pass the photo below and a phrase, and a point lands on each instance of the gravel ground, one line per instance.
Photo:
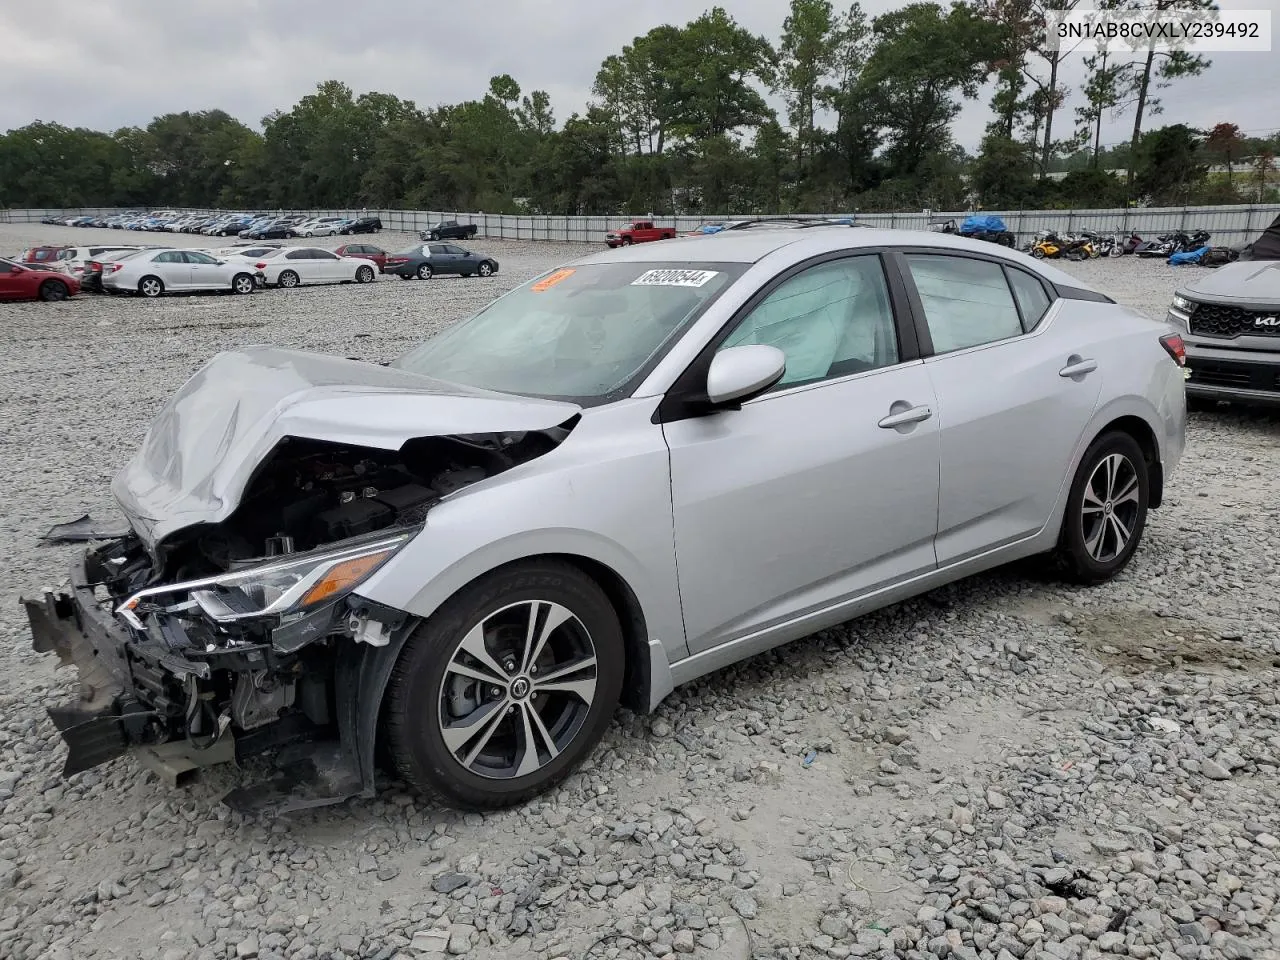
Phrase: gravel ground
(1005, 768)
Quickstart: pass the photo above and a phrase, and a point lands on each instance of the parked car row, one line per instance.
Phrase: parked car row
(243, 225)
(55, 273)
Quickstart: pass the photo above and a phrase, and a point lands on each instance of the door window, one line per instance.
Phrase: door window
(169, 256)
(830, 320)
(450, 248)
(436, 250)
(196, 257)
(323, 255)
(966, 302)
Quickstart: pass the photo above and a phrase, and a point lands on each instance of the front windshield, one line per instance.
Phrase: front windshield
(580, 333)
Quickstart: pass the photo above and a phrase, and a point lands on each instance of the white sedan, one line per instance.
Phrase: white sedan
(318, 228)
(292, 266)
(157, 271)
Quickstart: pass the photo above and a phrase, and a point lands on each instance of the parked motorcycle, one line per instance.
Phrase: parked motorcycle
(1046, 245)
(1122, 245)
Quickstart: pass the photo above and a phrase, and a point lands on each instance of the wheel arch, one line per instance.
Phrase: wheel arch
(1141, 431)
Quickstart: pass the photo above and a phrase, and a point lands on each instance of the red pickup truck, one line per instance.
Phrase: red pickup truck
(638, 231)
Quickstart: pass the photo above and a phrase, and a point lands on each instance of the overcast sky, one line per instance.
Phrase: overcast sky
(112, 63)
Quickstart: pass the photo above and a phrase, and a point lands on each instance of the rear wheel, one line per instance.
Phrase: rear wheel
(242, 284)
(364, 275)
(424, 271)
(1106, 510)
(486, 270)
(151, 286)
(506, 687)
(51, 291)
(1037, 252)
(288, 279)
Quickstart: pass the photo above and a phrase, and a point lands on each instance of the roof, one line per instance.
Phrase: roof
(751, 246)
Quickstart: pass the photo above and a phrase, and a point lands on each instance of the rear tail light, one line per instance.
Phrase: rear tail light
(394, 260)
(1175, 347)
(116, 266)
(259, 266)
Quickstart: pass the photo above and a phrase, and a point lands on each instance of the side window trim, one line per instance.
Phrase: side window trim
(686, 397)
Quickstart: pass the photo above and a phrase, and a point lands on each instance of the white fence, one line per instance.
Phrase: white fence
(1227, 224)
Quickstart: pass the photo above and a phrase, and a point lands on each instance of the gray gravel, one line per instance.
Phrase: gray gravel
(1005, 769)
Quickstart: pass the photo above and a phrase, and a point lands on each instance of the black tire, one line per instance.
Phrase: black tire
(404, 276)
(423, 272)
(151, 287)
(364, 275)
(466, 276)
(1081, 558)
(416, 695)
(288, 279)
(242, 283)
(626, 241)
(53, 291)
(485, 269)
(1037, 252)
(434, 236)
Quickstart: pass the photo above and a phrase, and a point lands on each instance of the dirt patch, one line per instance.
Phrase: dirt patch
(1137, 641)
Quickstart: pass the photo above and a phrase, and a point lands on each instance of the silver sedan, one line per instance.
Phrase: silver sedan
(630, 471)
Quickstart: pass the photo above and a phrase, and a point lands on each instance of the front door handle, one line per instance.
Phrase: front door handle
(904, 417)
(1078, 367)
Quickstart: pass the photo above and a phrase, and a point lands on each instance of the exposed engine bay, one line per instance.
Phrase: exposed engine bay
(236, 626)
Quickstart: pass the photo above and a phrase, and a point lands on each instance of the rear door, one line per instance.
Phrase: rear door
(172, 267)
(1016, 388)
(441, 262)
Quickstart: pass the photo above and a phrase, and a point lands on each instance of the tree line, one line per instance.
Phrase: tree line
(679, 122)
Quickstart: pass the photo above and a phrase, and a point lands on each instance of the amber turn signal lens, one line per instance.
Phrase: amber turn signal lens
(343, 576)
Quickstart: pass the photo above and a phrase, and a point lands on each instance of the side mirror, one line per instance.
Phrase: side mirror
(740, 373)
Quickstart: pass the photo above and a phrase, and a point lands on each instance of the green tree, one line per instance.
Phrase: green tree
(1102, 91)
(807, 57)
(924, 58)
(1158, 69)
(1167, 167)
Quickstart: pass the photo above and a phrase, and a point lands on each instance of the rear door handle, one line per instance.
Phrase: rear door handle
(1078, 367)
(905, 417)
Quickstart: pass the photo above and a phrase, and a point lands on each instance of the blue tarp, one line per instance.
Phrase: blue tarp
(982, 221)
(1187, 256)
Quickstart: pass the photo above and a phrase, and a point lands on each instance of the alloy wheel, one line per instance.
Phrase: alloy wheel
(244, 284)
(517, 690)
(151, 287)
(485, 270)
(1109, 512)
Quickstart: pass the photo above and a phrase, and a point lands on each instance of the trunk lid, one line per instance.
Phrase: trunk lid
(208, 440)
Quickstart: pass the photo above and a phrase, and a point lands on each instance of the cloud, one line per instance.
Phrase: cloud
(113, 63)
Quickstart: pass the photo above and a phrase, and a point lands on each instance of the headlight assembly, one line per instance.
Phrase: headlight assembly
(1182, 303)
(287, 585)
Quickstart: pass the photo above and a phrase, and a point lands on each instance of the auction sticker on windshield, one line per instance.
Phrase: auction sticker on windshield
(674, 278)
(551, 279)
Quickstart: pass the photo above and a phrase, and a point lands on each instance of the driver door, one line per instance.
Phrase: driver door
(809, 495)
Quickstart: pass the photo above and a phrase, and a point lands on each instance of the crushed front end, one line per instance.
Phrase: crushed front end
(223, 667)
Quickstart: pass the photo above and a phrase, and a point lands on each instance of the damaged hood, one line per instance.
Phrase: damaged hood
(205, 444)
(1246, 281)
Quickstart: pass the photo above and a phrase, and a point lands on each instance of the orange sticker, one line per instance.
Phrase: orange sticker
(549, 281)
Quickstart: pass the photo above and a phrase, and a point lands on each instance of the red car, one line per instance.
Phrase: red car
(46, 256)
(25, 281)
(638, 231)
(366, 251)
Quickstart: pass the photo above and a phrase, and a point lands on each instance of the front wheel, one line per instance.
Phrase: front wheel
(288, 279)
(424, 272)
(486, 269)
(1106, 510)
(242, 284)
(434, 235)
(507, 687)
(1037, 252)
(364, 275)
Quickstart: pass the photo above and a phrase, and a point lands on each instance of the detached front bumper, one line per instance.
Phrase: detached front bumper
(124, 700)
